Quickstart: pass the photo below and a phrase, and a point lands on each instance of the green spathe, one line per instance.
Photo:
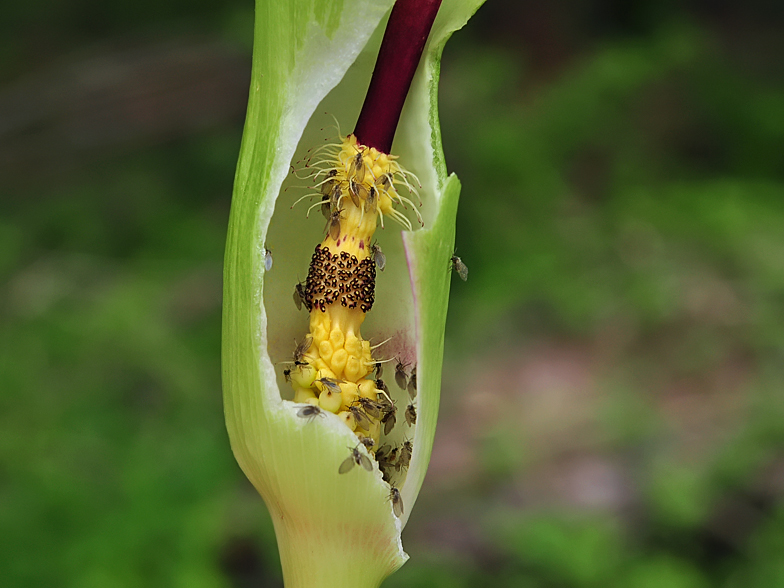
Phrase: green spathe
(333, 530)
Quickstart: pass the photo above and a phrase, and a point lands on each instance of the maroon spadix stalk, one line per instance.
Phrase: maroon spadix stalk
(404, 40)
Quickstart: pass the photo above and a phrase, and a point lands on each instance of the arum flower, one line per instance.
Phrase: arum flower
(333, 327)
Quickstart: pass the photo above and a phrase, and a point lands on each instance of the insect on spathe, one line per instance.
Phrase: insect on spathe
(299, 295)
(457, 265)
(400, 375)
(405, 454)
(356, 458)
(310, 412)
(411, 415)
(368, 442)
(378, 257)
(370, 407)
(361, 417)
(397, 502)
(389, 419)
(412, 383)
(267, 259)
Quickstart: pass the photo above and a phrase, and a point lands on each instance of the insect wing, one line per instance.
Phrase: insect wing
(397, 502)
(302, 348)
(267, 260)
(358, 167)
(379, 258)
(389, 423)
(298, 296)
(353, 191)
(334, 227)
(460, 267)
(462, 271)
(365, 462)
(330, 384)
(347, 464)
(362, 420)
(400, 376)
(412, 384)
(372, 409)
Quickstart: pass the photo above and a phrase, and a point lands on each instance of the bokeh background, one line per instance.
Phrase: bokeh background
(613, 402)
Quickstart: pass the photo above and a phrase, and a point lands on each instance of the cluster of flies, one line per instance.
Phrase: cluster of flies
(364, 198)
(390, 458)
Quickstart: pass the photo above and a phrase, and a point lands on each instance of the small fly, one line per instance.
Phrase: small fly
(310, 412)
(331, 385)
(328, 184)
(357, 167)
(457, 265)
(370, 202)
(353, 191)
(389, 419)
(412, 383)
(400, 375)
(287, 375)
(299, 295)
(361, 417)
(378, 257)
(397, 502)
(358, 192)
(385, 181)
(356, 458)
(267, 259)
(370, 407)
(411, 415)
(302, 348)
(368, 442)
(405, 455)
(333, 224)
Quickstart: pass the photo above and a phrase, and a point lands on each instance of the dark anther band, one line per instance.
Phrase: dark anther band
(340, 278)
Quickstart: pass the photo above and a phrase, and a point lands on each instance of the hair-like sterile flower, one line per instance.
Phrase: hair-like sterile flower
(332, 416)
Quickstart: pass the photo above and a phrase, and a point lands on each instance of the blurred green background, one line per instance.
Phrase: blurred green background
(613, 403)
